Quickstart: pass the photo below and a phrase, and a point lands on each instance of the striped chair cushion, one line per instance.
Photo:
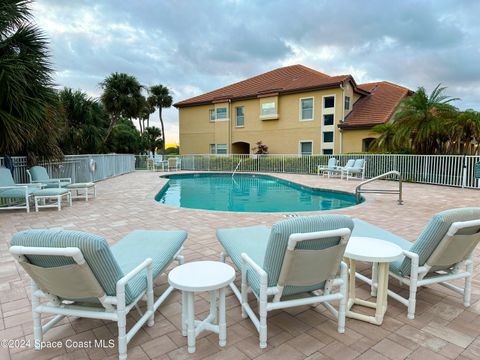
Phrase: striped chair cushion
(6, 178)
(107, 264)
(277, 244)
(133, 249)
(434, 232)
(39, 173)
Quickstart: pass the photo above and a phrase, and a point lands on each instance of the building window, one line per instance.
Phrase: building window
(268, 108)
(306, 148)
(327, 151)
(221, 113)
(328, 102)
(328, 136)
(347, 102)
(218, 149)
(212, 115)
(328, 119)
(367, 144)
(239, 117)
(306, 109)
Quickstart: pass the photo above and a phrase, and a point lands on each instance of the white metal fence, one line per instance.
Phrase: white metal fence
(450, 170)
(78, 167)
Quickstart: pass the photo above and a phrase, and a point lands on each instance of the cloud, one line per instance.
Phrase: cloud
(197, 46)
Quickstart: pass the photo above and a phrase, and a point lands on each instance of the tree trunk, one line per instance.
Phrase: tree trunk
(163, 131)
(113, 121)
(140, 125)
(148, 121)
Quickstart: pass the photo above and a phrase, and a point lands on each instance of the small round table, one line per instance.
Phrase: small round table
(212, 276)
(381, 253)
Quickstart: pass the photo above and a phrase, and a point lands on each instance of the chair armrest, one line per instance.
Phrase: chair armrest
(64, 179)
(146, 264)
(248, 260)
(16, 186)
(414, 260)
(46, 181)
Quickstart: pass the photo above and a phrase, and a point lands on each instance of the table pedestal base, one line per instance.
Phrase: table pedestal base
(192, 328)
(381, 286)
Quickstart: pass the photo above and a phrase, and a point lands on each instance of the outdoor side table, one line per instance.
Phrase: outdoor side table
(381, 253)
(211, 276)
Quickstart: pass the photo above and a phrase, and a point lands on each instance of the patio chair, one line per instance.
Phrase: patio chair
(158, 163)
(331, 167)
(174, 163)
(38, 174)
(438, 255)
(80, 275)
(12, 193)
(357, 168)
(296, 262)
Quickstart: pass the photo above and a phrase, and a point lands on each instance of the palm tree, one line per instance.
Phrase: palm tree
(466, 130)
(26, 96)
(386, 138)
(421, 119)
(121, 97)
(153, 138)
(147, 108)
(160, 98)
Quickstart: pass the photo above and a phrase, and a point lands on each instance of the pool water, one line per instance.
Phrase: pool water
(247, 193)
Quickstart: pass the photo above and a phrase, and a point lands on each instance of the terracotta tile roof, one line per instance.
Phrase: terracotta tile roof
(377, 107)
(289, 79)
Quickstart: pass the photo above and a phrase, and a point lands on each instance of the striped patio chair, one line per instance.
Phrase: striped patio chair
(442, 253)
(17, 196)
(296, 262)
(81, 276)
(38, 174)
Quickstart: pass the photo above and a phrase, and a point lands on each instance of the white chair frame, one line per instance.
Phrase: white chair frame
(28, 195)
(114, 307)
(265, 306)
(418, 274)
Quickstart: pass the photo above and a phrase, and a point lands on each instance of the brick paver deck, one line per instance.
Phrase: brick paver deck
(443, 328)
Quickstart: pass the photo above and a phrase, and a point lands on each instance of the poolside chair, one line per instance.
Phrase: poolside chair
(296, 262)
(17, 196)
(38, 174)
(357, 168)
(80, 275)
(330, 168)
(438, 255)
(174, 163)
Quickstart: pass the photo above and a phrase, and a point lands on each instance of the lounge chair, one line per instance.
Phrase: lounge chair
(296, 257)
(357, 168)
(436, 257)
(174, 163)
(9, 191)
(38, 174)
(330, 168)
(81, 276)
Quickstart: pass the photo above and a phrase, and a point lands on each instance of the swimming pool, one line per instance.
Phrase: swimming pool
(247, 193)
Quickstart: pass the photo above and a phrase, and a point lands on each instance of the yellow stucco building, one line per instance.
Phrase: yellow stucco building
(292, 110)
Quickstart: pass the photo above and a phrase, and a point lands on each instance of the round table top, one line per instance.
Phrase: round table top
(201, 276)
(372, 250)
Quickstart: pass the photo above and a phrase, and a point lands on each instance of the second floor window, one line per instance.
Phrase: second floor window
(328, 119)
(212, 114)
(347, 102)
(239, 117)
(268, 108)
(221, 113)
(306, 111)
(328, 102)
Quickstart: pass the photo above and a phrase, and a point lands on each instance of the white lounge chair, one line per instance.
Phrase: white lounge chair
(357, 168)
(38, 174)
(330, 168)
(17, 196)
(80, 275)
(296, 262)
(442, 253)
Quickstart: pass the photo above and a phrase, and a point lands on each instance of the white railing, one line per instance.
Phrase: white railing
(450, 170)
(78, 167)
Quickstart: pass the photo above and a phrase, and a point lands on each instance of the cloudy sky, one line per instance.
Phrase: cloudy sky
(197, 46)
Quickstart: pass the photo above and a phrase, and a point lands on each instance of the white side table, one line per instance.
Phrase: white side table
(212, 276)
(381, 253)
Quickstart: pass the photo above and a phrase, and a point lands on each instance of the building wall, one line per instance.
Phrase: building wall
(353, 139)
(282, 134)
